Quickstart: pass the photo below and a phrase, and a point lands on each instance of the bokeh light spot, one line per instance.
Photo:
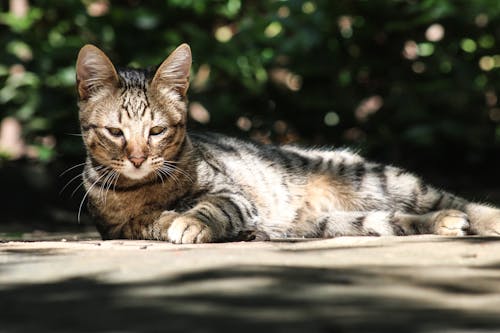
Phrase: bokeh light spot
(273, 29)
(331, 118)
(434, 32)
(223, 34)
(486, 63)
(468, 45)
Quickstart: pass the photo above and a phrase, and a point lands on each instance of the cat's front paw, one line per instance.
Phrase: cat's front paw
(189, 230)
(451, 222)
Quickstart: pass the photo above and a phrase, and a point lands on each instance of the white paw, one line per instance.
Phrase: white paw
(451, 223)
(188, 230)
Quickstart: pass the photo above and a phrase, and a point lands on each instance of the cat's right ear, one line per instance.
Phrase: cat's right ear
(174, 71)
(94, 72)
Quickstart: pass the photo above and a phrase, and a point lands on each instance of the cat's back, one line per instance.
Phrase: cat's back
(292, 161)
(233, 160)
(276, 179)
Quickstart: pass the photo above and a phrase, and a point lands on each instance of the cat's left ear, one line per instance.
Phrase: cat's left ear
(94, 72)
(174, 71)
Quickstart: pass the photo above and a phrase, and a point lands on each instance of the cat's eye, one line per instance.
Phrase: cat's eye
(114, 131)
(156, 130)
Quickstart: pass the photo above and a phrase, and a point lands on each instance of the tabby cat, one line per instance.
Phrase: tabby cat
(147, 178)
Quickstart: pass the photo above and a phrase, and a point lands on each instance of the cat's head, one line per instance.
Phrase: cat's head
(132, 121)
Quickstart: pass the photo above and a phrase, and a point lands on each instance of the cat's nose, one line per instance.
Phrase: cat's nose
(137, 160)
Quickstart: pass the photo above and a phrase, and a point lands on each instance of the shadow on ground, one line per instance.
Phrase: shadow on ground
(243, 299)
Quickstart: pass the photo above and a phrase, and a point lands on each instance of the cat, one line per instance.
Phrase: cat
(147, 178)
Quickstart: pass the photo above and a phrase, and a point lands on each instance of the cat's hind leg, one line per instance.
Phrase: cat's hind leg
(484, 219)
(378, 223)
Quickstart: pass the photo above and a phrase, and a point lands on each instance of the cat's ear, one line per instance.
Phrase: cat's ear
(94, 71)
(174, 71)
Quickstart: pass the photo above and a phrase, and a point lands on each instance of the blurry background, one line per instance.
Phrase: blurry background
(412, 83)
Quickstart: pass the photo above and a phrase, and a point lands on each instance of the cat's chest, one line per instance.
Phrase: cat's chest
(132, 202)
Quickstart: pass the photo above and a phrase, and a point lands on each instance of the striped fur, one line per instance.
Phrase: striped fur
(146, 178)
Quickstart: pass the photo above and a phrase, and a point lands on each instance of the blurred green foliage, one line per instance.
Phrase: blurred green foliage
(406, 81)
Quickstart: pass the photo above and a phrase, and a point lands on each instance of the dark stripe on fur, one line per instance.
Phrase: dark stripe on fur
(316, 164)
(341, 168)
(359, 174)
(396, 228)
(415, 230)
(236, 209)
(204, 216)
(226, 214)
(380, 171)
(437, 203)
(323, 223)
(424, 189)
(359, 221)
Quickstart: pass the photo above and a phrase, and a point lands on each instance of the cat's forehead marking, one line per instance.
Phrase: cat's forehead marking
(135, 103)
(134, 98)
(133, 78)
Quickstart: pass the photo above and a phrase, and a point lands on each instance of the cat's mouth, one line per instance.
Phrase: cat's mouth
(131, 171)
(151, 167)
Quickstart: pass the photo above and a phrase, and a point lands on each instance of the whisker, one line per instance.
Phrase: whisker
(76, 189)
(103, 186)
(181, 171)
(111, 180)
(165, 173)
(68, 183)
(73, 167)
(168, 172)
(161, 172)
(87, 193)
(171, 162)
(158, 174)
(116, 181)
(98, 168)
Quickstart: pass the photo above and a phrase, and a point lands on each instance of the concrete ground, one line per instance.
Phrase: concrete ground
(347, 284)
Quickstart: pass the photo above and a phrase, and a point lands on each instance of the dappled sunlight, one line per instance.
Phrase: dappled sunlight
(349, 284)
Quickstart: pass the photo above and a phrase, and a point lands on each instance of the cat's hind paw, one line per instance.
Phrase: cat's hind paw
(451, 223)
(189, 230)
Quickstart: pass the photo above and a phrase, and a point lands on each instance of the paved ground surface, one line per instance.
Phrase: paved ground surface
(356, 284)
